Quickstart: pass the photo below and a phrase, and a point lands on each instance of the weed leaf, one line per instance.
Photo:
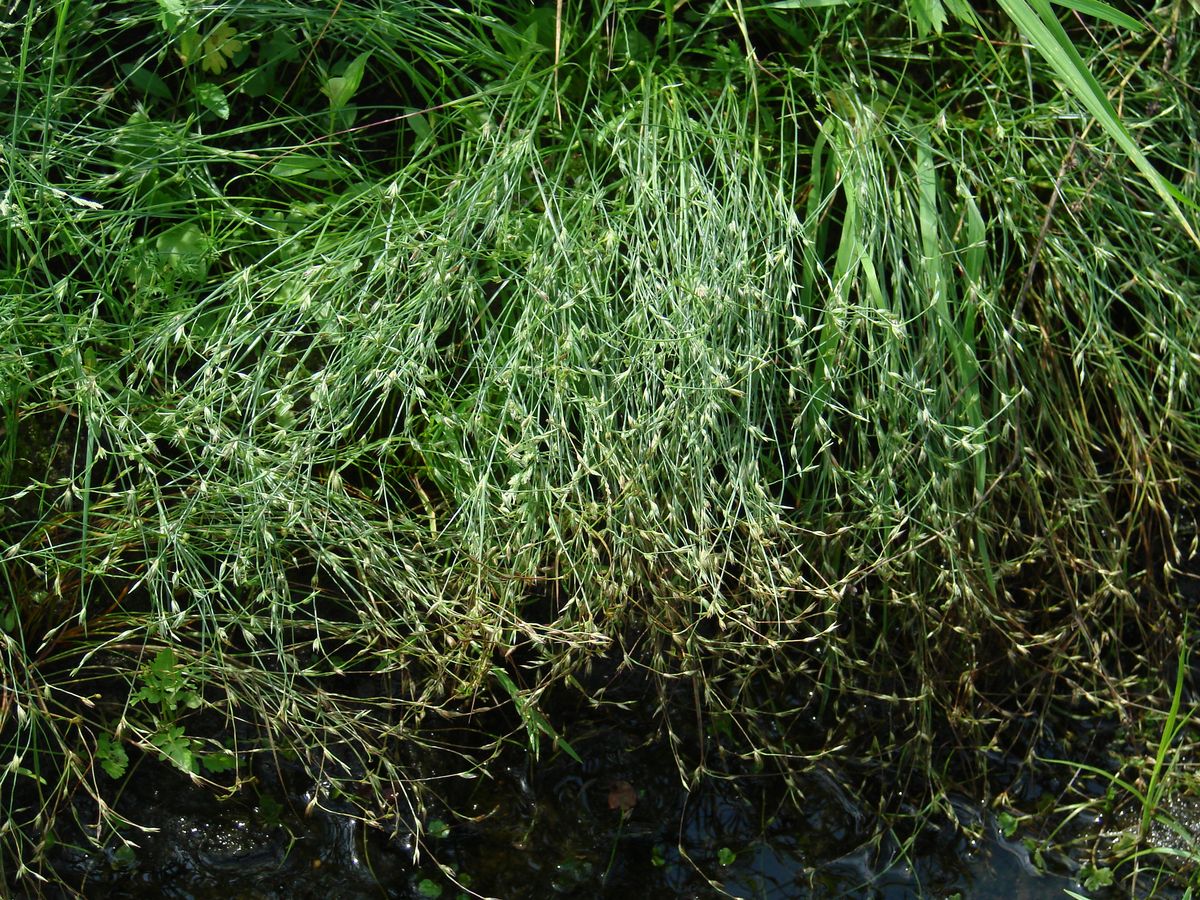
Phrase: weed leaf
(342, 88)
(212, 98)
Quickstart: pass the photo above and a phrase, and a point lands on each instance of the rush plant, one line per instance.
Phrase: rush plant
(811, 355)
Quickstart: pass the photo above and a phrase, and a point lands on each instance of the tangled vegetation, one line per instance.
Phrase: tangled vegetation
(366, 363)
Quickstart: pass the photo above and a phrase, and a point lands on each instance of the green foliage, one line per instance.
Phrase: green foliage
(172, 689)
(1038, 22)
(1173, 726)
(536, 725)
(1163, 781)
(429, 888)
(175, 746)
(929, 15)
(212, 98)
(219, 763)
(167, 684)
(771, 347)
(1008, 824)
(341, 89)
(173, 14)
(124, 857)
(1094, 879)
(112, 756)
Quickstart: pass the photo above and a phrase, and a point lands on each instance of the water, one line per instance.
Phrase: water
(620, 825)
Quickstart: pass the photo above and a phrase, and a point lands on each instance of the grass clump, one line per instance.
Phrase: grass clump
(775, 352)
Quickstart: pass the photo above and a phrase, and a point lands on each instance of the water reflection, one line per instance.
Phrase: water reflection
(622, 825)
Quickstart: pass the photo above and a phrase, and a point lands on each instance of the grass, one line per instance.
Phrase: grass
(762, 348)
(1153, 817)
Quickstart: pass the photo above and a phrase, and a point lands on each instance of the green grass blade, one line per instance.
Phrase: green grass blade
(1103, 12)
(806, 4)
(1049, 38)
(1170, 729)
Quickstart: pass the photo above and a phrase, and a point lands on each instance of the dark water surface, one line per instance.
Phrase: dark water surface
(622, 824)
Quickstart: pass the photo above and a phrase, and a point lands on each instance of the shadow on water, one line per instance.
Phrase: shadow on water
(621, 824)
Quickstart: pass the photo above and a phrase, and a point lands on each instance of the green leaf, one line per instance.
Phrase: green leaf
(974, 253)
(147, 82)
(437, 828)
(507, 683)
(282, 46)
(218, 762)
(561, 743)
(807, 4)
(342, 88)
(1125, 844)
(172, 14)
(189, 46)
(420, 126)
(221, 47)
(176, 747)
(529, 35)
(1095, 878)
(725, 856)
(430, 889)
(180, 246)
(212, 98)
(299, 165)
(165, 661)
(535, 722)
(113, 758)
(1102, 11)
(1037, 20)
(961, 9)
(338, 91)
(1007, 823)
(147, 693)
(928, 14)
(278, 48)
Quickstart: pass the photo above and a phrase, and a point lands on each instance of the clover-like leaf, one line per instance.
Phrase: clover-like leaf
(172, 14)
(175, 746)
(1095, 878)
(113, 758)
(218, 762)
(219, 47)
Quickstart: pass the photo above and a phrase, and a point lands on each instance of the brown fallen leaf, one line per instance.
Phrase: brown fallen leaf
(622, 796)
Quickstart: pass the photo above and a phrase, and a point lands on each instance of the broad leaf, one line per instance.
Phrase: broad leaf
(212, 98)
(172, 14)
(341, 89)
